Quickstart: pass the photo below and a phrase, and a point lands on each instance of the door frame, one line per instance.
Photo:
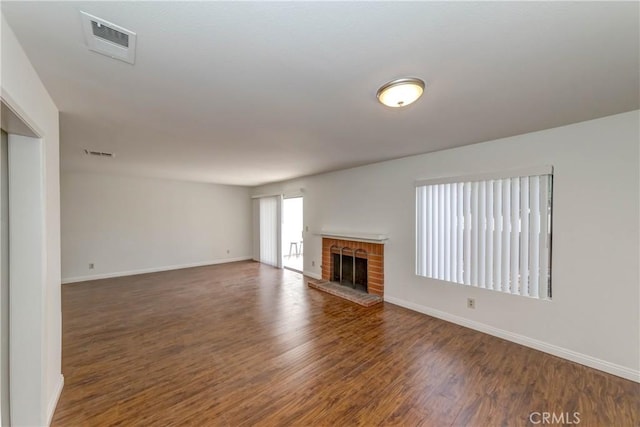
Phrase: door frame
(27, 403)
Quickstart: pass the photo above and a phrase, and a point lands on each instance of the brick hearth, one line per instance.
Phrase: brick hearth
(375, 261)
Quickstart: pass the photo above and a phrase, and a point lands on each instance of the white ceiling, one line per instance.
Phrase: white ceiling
(248, 93)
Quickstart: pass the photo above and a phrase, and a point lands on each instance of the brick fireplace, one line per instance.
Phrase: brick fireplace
(372, 252)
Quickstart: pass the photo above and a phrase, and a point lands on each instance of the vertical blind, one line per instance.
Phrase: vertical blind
(488, 233)
(269, 230)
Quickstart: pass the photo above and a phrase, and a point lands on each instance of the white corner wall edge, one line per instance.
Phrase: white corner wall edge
(53, 403)
(312, 275)
(583, 359)
(153, 270)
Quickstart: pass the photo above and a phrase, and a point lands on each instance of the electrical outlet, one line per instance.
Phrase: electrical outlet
(91, 266)
(471, 303)
(313, 263)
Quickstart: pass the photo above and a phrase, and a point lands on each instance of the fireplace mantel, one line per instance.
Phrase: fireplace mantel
(356, 237)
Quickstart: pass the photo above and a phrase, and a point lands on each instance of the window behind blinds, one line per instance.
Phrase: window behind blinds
(488, 233)
(269, 230)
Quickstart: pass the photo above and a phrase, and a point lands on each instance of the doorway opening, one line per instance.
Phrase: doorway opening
(292, 234)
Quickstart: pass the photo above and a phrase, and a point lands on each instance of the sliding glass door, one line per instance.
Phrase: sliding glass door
(292, 243)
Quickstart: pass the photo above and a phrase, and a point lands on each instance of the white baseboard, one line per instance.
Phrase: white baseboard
(583, 359)
(312, 275)
(53, 402)
(152, 270)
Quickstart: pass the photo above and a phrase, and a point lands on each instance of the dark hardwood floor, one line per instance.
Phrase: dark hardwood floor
(245, 344)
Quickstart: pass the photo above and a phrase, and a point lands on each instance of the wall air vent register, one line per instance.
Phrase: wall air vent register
(98, 153)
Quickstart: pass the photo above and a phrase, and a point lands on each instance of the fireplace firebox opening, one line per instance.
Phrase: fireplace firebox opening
(372, 252)
(349, 267)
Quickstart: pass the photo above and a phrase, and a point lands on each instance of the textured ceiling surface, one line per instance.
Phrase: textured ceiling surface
(248, 93)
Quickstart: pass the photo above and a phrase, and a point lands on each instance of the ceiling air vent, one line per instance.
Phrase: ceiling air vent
(109, 39)
(98, 153)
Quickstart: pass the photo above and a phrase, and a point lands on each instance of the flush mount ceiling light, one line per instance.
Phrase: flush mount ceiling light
(401, 92)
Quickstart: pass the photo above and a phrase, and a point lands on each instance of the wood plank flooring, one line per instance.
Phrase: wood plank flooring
(245, 344)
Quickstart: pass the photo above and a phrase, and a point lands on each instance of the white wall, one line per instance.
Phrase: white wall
(594, 316)
(27, 261)
(25, 94)
(127, 225)
(4, 280)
